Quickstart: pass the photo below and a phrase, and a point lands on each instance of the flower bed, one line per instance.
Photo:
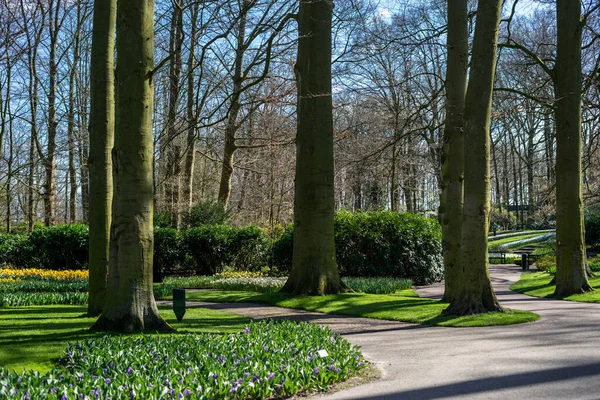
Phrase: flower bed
(267, 359)
(24, 287)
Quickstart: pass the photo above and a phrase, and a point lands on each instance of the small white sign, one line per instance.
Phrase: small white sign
(322, 353)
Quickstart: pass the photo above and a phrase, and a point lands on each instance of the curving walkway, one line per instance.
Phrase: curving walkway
(557, 357)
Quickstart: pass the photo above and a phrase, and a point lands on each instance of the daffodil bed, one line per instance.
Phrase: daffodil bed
(267, 359)
(22, 287)
(25, 287)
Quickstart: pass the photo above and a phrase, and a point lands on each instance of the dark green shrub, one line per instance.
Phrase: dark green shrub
(390, 244)
(162, 219)
(281, 251)
(400, 245)
(208, 247)
(592, 230)
(212, 247)
(206, 213)
(249, 249)
(56, 247)
(169, 252)
(13, 249)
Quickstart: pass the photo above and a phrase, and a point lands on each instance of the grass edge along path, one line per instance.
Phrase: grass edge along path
(404, 306)
(539, 284)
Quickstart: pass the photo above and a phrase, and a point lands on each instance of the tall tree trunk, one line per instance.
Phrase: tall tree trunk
(571, 275)
(314, 268)
(33, 45)
(102, 127)
(549, 147)
(50, 159)
(516, 172)
(131, 306)
(451, 200)
(394, 178)
(173, 146)
(234, 110)
(474, 292)
(7, 120)
(498, 191)
(190, 155)
(71, 123)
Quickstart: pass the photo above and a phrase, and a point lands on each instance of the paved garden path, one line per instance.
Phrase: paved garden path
(557, 357)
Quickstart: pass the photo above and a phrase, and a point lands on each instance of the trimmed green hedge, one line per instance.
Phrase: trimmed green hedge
(57, 248)
(376, 244)
(379, 244)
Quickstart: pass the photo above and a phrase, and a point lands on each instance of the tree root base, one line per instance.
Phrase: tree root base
(130, 324)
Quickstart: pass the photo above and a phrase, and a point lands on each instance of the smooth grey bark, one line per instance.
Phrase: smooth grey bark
(314, 268)
(131, 305)
(474, 293)
(571, 274)
(102, 126)
(451, 200)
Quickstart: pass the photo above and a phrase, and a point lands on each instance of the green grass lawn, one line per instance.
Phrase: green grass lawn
(403, 306)
(34, 337)
(538, 284)
(502, 242)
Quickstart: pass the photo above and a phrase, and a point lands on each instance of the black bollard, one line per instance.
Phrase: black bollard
(179, 303)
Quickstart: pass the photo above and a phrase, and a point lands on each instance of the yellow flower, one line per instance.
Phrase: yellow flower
(42, 273)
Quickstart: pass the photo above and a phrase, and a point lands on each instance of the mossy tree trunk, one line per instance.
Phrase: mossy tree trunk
(451, 201)
(571, 274)
(102, 125)
(314, 268)
(131, 306)
(474, 293)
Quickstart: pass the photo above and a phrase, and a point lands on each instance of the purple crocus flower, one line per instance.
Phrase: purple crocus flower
(246, 374)
(187, 392)
(331, 367)
(27, 395)
(64, 397)
(337, 370)
(129, 371)
(360, 364)
(255, 378)
(247, 330)
(107, 381)
(316, 370)
(271, 375)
